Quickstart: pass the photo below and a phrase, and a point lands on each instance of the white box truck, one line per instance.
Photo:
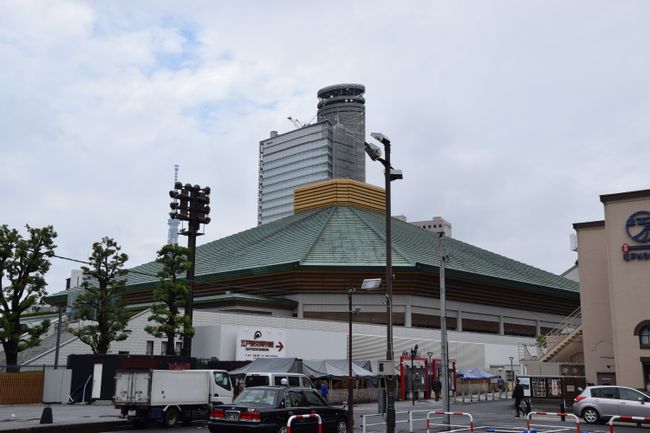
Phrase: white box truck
(170, 395)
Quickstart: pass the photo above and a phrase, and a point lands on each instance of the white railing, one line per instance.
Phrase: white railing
(566, 327)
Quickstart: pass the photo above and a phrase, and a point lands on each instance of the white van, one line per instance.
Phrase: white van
(265, 379)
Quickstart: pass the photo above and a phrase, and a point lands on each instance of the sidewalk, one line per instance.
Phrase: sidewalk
(68, 418)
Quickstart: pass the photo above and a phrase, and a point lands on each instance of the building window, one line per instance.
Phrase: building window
(179, 347)
(149, 347)
(163, 348)
(644, 335)
(643, 331)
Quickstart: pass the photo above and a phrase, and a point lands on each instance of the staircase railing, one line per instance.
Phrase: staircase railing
(525, 351)
(566, 327)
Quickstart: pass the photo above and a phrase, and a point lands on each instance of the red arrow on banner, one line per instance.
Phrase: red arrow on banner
(279, 346)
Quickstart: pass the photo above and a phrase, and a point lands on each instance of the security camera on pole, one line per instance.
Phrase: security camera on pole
(191, 204)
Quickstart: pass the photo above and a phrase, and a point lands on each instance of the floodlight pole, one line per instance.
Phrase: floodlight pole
(190, 203)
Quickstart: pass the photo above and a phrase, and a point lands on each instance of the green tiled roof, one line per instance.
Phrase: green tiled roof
(346, 236)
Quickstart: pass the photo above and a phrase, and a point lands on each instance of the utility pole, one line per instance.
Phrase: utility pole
(444, 345)
(191, 204)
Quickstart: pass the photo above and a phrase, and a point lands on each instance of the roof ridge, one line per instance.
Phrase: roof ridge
(320, 232)
(393, 245)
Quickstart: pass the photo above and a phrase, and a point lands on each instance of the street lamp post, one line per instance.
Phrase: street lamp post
(390, 174)
(512, 370)
(414, 353)
(430, 373)
(444, 346)
(368, 284)
(58, 337)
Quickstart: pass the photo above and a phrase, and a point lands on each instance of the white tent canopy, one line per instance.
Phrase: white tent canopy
(336, 368)
(312, 368)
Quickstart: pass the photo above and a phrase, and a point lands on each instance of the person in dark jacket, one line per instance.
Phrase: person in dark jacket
(518, 395)
(436, 386)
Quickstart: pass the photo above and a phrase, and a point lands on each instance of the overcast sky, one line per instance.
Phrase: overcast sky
(508, 118)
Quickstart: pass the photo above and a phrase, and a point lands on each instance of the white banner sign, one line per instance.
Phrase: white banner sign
(260, 343)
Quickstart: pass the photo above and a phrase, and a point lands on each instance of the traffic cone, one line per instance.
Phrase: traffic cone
(46, 416)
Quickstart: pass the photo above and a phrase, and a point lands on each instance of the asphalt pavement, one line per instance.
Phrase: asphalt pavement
(489, 417)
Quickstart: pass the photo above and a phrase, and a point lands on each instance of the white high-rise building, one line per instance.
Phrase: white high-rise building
(310, 154)
(329, 149)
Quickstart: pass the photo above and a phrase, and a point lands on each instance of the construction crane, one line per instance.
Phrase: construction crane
(296, 122)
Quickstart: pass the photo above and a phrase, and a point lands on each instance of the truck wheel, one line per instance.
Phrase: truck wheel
(170, 418)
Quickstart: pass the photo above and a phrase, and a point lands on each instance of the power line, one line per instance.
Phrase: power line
(89, 263)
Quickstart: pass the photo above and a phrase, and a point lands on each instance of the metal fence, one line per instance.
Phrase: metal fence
(21, 388)
(28, 368)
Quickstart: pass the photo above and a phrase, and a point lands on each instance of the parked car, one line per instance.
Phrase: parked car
(268, 408)
(599, 403)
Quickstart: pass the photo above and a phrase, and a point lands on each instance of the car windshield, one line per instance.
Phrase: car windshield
(257, 397)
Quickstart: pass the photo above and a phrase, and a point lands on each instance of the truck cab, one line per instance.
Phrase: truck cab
(221, 388)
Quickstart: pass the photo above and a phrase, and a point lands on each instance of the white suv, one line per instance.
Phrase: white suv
(266, 379)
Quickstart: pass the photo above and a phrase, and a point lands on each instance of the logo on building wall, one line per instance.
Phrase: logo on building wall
(637, 227)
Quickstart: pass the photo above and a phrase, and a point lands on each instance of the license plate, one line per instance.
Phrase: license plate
(232, 415)
(131, 412)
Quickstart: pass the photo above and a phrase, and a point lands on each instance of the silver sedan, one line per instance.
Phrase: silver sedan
(598, 403)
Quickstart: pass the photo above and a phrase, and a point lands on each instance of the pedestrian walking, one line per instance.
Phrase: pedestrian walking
(436, 386)
(518, 395)
(324, 390)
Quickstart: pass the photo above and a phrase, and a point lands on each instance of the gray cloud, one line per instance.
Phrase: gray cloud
(508, 118)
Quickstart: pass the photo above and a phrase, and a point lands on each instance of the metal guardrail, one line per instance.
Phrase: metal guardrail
(625, 418)
(411, 418)
(309, 415)
(440, 412)
(560, 414)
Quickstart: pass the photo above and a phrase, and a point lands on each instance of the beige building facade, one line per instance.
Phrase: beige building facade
(614, 269)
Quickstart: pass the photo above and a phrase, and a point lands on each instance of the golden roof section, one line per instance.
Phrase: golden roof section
(334, 192)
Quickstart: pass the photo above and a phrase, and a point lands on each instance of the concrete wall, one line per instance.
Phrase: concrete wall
(628, 292)
(312, 339)
(594, 301)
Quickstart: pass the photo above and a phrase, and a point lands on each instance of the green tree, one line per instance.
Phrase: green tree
(23, 265)
(170, 296)
(101, 302)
